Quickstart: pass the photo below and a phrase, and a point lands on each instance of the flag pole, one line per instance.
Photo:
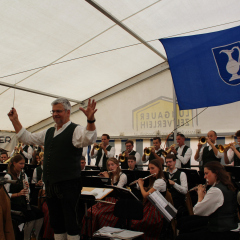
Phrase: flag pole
(174, 114)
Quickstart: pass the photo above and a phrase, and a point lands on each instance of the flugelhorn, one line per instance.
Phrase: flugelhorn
(202, 140)
(122, 158)
(221, 148)
(98, 146)
(148, 150)
(165, 153)
(142, 179)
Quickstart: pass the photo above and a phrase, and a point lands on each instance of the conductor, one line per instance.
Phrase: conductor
(63, 145)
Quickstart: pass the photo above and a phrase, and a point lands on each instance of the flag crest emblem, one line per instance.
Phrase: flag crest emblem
(227, 59)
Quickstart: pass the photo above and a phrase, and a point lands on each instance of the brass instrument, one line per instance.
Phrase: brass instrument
(27, 195)
(148, 150)
(165, 153)
(16, 151)
(142, 179)
(122, 158)
(98, 146)
(221, 148)
(202, 140)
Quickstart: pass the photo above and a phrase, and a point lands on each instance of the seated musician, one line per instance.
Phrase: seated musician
(232, 153)
(219, 204)
(33, 218)
(4, 157)
(151, 224)
(177, 185)
(102, 213)
(132, 163)
(83, 164)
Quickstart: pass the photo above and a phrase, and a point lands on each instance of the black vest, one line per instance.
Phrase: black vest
(104, 160)
(178, 198)
(159, 153)
(20, 202)
(39, 173)
(188, 164)
(61, 157)
(124, 165)
(236, 159)
(209, 156)
(225, 217)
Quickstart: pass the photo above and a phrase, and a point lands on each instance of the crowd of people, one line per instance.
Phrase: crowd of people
(64, 143)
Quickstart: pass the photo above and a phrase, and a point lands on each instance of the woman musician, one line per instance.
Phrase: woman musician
(33, 218)
(218, 205)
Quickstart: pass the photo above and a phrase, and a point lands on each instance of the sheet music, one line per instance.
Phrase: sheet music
(97, 192)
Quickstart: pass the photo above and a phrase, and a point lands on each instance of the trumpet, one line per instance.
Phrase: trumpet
(142, 179)
(148, 150)
(165, 153)
(195, 188)
(221, 148)
(202, 140)
(122, 158)
(98, 146)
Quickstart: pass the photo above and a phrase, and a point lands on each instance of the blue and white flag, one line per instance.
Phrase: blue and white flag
(205, 68)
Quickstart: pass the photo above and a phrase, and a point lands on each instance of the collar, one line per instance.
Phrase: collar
(171, 173)
(63, 126)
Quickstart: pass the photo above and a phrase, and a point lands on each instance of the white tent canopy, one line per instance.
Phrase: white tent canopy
(70, 49)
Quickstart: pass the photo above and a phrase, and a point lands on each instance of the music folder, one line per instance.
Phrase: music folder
(162, 205)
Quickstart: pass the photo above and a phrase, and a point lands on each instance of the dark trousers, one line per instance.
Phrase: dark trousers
(62, 200)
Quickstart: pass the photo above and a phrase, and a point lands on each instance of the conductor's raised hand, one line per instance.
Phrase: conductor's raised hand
(90, 110)
(13, 116)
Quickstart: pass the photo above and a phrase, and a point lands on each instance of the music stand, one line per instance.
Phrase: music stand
(87, 173)
(96, 182)
(235, 175)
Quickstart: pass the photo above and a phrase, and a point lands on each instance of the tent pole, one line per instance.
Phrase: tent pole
(175, 114)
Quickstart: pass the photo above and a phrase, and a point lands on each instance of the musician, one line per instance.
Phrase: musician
(183, 153)
(26, 151)
(17, 193)
(129, 151)
(219, 203)
(232, 153)
(106, 151)
(151, 224)
(83, 164)
(4, 157)
(132, 163)
(209, 153)
(156, 151)
(177, 184)
(38, 174)
(62, 150)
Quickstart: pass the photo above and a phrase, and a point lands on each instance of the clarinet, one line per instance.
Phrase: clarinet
(27, 195)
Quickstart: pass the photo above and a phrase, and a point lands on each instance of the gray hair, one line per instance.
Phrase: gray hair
(66, 104)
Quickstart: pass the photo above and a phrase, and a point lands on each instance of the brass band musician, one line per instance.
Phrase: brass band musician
(232, 153)
(209, 153)
(104, 152)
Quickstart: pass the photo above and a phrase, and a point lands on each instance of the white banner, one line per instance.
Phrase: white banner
(8, 141)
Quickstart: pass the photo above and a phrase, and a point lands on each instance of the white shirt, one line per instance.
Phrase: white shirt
(211, 202)
(230, 154)
(160, 185)
(110, 154)
(7, 185)
(183, 188)
(180, 159)
(34, 176)
(27, 154)
(81, 136)
(219, 155)
(122, 180)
